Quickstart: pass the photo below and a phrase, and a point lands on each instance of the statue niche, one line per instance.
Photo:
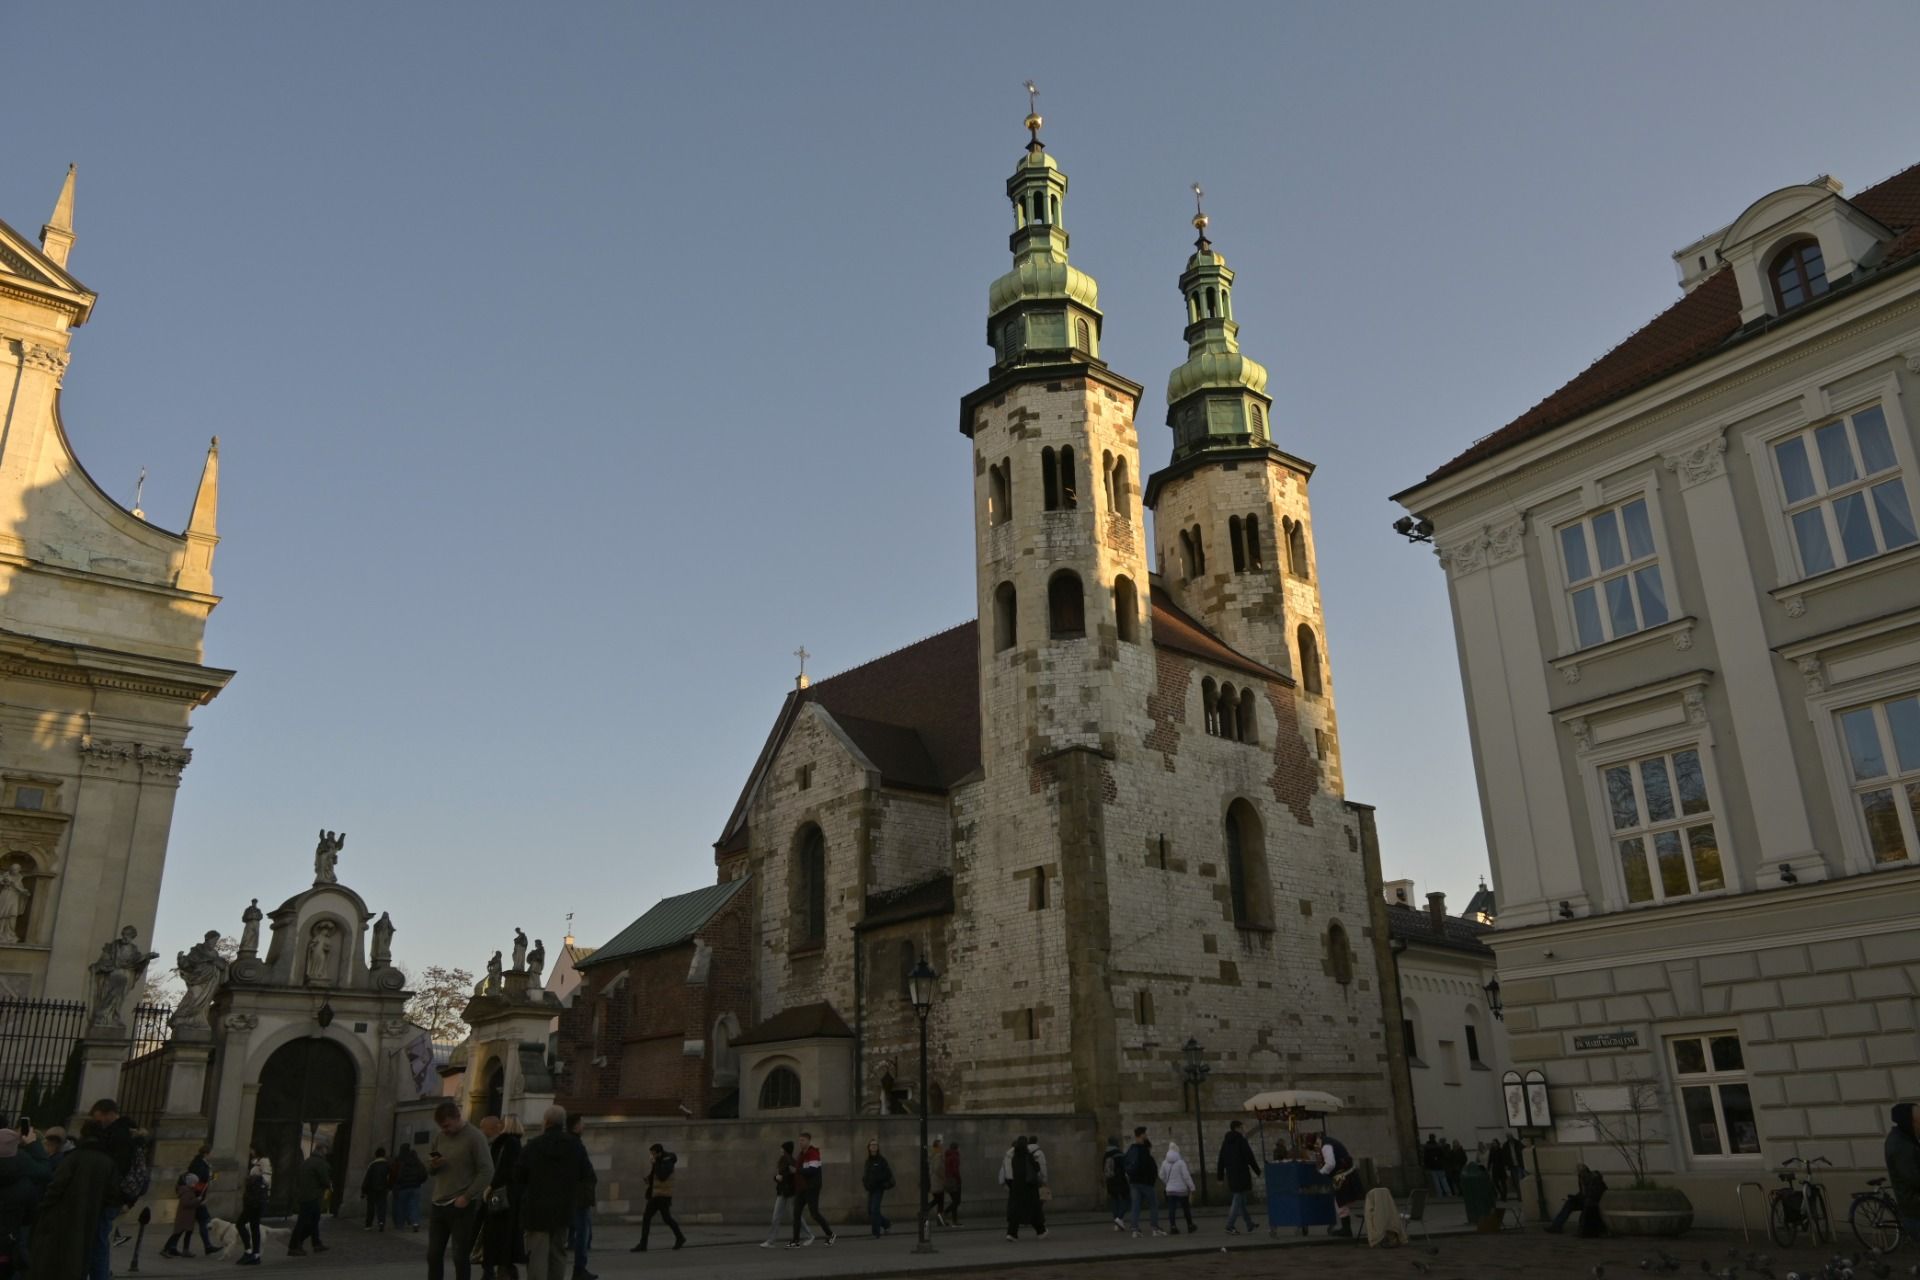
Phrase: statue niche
(323, 949)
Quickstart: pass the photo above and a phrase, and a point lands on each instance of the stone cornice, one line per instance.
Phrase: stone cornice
(1492, 545)
(28, 658)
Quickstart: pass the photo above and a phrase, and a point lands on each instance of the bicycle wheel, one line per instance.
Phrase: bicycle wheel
(1874, 1223)
(1817, 1219)
(1782, 1223)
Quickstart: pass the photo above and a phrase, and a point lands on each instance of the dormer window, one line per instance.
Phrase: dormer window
(1799, 274)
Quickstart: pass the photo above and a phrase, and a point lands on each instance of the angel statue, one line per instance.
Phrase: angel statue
(326, 856)
(203, 969)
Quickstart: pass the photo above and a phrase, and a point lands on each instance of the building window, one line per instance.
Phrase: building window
(1069, 491)
(1663, 831)
(1066, 606)
(803, 777)
(1250, 894)
(29, 797)
(1845, 497)
(1259, 423)
(1339, 954)
(1210, 706)
(1143, 1008)
(1082, 335)
(1614, 585)
(1799, 274)
(1412, 1040)
(1309, 660)
(1049, 479)
(1296, 548)
(1126, 609)
(1473, 1046)
(1711, 1073)
(810, 889)
(1883, 762)
(1254, 559)
(1235, 538)
(1246, 721)
(1122, 488)
(1037, 889)
(780, 1090)
(1000, 492)
(1186, 556)
(1006, 617)
(1199, 552)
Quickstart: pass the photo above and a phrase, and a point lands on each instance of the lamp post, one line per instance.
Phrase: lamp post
(920, 991)
(1493, 999)
(1196, 1071)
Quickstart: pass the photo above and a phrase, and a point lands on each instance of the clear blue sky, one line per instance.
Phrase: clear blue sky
(572, 366)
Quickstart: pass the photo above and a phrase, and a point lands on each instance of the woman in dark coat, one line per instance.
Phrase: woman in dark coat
(63, 1231)
(24, 1171)
(500, 1231)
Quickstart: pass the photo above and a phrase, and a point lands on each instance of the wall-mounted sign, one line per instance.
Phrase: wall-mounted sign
(1606, 1040)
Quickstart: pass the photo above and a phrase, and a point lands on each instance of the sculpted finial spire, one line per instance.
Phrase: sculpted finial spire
(56, 237)
(1033, 118)
(1200, 220)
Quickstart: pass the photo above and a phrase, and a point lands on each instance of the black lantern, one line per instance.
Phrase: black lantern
(920, 987)
(1493, 999)
(324, 1016)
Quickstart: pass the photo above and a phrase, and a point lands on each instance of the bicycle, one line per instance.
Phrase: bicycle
(1802, 1208)
(1875, 1218)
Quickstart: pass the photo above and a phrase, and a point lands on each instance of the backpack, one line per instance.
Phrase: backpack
(135, 1181)
(1114, 1173)
(664, 1172)
(1023, 1168)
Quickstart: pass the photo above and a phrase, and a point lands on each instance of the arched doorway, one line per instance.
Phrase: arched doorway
(306, 1095)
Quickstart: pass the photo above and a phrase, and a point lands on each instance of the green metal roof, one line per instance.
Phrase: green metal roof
(668, 923)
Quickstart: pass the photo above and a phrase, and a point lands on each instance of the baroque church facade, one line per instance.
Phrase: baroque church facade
(1108, 809)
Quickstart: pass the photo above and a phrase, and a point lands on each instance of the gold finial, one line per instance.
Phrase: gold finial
(1033, 110)
(1200, 218)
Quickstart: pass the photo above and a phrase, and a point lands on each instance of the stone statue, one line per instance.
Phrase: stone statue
(120, 963)
(519, 949)
(536, 961)
(326, 856)
(13, 906)
(382, 942)
(250, 929)
(203, 969)
(320, 955)
(493, 973)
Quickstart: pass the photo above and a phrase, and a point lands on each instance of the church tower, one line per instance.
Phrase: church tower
(1061, 552)
(1231, 516)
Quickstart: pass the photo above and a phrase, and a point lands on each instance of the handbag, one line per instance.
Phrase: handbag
(498, 1201)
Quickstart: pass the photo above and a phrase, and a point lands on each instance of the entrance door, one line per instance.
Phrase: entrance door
(306, 1097)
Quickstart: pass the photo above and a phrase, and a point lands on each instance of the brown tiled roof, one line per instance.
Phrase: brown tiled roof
(802, 1022)
(1174, 628)
(1415, 925)
(1699, 324)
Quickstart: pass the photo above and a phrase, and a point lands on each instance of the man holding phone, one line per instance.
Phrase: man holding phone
(462, 1166)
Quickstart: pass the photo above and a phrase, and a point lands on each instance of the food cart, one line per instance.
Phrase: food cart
(1298, 1194)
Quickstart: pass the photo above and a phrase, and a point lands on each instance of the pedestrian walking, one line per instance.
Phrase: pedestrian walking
(1456, 1166)
(936, 1158)
(580, 1238)
(409, 1176)
(547, 1179)
(876, 1176)
(253, 1203)
(77, 1198)
(808, 1190)
(498, 1229)
(1142, 1177)
(1113, 1175)
(1179, 1183)
(310, 1187)
(1903, 1166)
(202, 1218)
(1433, 1159)
(1497, 1168)
(461, 1165)
(373, 1189)
(786, 1202)
(188, 1195)
(1516, 1166)
(1023, 1172)
(952, 1184)
(1238, 1167)
(128, 1151)
(660, 1198)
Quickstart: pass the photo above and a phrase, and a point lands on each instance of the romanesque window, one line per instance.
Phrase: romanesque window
(1846, 499)
(1126, 609)
(1106, 475)
(1252, 528)
(1037, 889)
(1661, 817)
(1122, 488)
(1050, 478)
(1251, 893)
(1069, 490)
(1066, 606)
(1187, 561)
(1710, 1072)
(1473, 1045)
(1006, 617)
(1799, 274)
(810, 889)
(1083, 335)
(1614, 584)
(1199, 552)
(1309, 660)
(1000, 492)
(1246, 721)
(1226, 717)
(1235, 537)
(1210, 706)
(1296, 548)
(780, 1090)
(1259, 423)
(803, 777)
(1143, 1008)
(1339, 954)
(1883, 763)
(1056, 478)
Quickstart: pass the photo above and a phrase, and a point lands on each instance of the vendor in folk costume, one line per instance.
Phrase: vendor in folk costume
(1336, 1162)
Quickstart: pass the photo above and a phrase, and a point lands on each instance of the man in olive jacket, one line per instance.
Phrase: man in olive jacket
(548, 1178)
(1903, 1166)
(310, 1187)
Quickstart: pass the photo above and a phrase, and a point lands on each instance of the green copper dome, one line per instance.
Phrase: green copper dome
(1218, 398)
(1045, 310)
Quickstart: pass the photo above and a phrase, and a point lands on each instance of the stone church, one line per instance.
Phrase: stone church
(102, 614)
(1108, 809)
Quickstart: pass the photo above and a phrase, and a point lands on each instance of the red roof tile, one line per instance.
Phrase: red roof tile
(1697, 325)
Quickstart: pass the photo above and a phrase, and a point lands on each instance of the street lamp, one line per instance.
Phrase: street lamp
(920, 991)
(1493, 999)
(1194, 1070)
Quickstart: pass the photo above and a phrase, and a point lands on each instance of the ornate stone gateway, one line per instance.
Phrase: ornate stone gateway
(306, 1096)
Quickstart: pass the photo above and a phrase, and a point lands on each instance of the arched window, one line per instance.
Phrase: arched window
(1256, 559)
(1049, 479)
(1083, 335)
(1209, 706)
(1247, 723)
(1066, 606)
(1006, 617)
(999, 493)
(1106, 476)
(1237, 543)
(1053, 206)
(1410, 1026)
(1126, 609)
(1210, 300)
(1339, 954)
(1309, 660)
(1199, 552)
(1250, 893)
(1226, 302)
(1122, 489)
(1296, 548)
(1229, 719)
(1259, 423)
(1186, 554)
(780, 1090)
(1193, 307)
(1799, 274)
(1069, 490)
(810, 888)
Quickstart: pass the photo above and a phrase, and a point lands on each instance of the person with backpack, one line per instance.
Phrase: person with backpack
(253, 1203)
(808, 1189)
(877, 1178)
(373, 1189)
(84, 1192)
(952, 1184)
(1238, 1167)
(660, 1198)
(1113, 1173)
(1023, 1172)
(409, 1175)
(1142, 1179)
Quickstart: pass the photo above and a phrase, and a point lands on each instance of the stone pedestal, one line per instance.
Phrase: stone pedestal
(101, 1058)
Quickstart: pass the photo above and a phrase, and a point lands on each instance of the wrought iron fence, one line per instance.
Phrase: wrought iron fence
(143, 1078)
(40, 1059)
